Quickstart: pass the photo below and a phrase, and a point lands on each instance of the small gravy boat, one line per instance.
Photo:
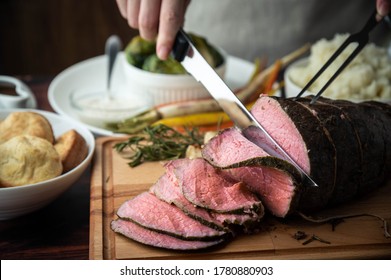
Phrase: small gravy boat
(20, 93)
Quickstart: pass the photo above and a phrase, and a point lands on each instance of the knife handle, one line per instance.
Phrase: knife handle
(181, 46)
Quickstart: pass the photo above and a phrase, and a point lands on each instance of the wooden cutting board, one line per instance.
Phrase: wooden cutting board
(114, 182)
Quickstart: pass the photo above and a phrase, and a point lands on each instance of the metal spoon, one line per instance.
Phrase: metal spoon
(112, 47)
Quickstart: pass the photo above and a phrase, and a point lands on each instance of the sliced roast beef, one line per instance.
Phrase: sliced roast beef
(150, 212)
(302, 136)
(273, 179)
(169, 190)
(207, 187)
(161, 240)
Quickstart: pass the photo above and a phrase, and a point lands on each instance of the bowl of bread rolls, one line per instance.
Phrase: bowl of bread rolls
(42, 155)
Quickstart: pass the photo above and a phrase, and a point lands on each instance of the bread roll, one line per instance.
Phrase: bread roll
(72, 149)
(25, 123)
(27, 160)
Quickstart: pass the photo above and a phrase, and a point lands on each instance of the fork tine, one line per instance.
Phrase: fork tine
(359, 47)
(325, 66)
(361, 38)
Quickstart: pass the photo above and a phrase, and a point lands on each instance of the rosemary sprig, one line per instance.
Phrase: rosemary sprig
(159, 143)
(315, 237)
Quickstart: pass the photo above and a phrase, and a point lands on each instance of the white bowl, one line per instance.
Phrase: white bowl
(292, 89)
(98, 110)
(166, 88)
(21, 200)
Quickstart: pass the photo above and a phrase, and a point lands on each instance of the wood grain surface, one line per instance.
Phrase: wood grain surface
(114, 182)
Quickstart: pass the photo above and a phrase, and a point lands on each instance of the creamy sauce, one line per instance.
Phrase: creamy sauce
(99, 109)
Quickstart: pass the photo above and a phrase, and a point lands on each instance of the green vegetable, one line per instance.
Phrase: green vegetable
(142, 54)
(159, 143)
(170, 66)
(138, 50)
(211, 55)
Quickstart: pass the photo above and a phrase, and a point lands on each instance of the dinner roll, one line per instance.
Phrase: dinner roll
(72, 149)
(27, 160)
(25, 123)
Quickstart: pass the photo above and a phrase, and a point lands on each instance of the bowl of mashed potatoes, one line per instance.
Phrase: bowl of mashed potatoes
(367, 77)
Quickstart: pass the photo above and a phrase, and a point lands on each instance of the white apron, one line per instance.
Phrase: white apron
(273, 28)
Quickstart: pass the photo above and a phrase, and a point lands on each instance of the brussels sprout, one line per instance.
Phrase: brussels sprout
(138, 50)
(211, 55)
(142, 54)
(169, 66)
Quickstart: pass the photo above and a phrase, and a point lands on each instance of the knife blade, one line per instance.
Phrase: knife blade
(187, 54)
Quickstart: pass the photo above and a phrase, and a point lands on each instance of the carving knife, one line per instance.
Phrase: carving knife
(186, 53)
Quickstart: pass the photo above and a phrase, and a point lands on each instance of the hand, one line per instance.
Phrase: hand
(155, 18)
(383, 8)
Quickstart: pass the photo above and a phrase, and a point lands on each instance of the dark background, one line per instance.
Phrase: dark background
(43, 37)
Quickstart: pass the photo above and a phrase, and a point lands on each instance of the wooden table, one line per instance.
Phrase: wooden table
(58, 231)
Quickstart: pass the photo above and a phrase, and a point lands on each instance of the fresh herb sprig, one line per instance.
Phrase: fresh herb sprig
(159, 143)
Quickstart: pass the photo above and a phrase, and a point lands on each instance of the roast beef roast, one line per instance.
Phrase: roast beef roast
(345, 147)
(339, 130)
(346, 144)
(382, 114)
(369, 127)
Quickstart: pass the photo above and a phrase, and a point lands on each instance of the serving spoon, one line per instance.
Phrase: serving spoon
(112, 47)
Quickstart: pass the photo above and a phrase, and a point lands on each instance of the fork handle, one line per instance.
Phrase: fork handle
(371, 23)
(387, 19)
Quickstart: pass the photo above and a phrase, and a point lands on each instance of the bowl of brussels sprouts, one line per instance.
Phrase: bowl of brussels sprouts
(166, 81)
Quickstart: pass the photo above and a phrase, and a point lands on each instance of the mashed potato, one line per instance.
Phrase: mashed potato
(368, 76)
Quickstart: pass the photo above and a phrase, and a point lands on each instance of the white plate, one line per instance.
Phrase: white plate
(90, 75)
